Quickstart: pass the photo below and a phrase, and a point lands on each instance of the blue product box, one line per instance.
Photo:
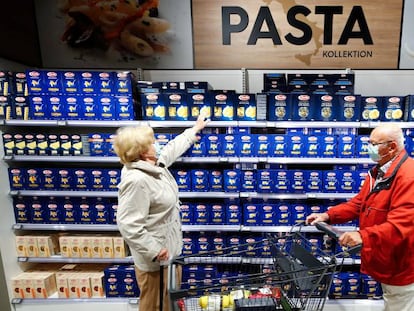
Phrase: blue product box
(326, 107)
(53, 81)
(177, 106)
(199, 148)
(73, 107)
(86, 211)
(297, 181)
(298, 82)
(248, 181)
(124, 108)
(263, 147)
(183, 179)
(246, 145)
(101, 214)
(337, 286)
(394, 107)
(153, 107)
(313, 181)
(38, 210)
(279, 107)
(106, 108)
(296, 144)
(361, 146)
(251, 214)
(223, 105)
(81, 179)
(98, 178)
(65, 179)
(215, 180)
(112, 179)
(316, 208)
(361, 175)
(265, 181)
(53, 212)
(88, 82)
(189, 245)
(234, 242)
(105, 81)
(196, 86)
(50, 179)
(372, 108)
(123, 83)
(229, 145)
(17, 178)
(20, 107)
(33, 178)
(267, 214)
(113, 281)
(217, 214)
(283, 214)
(35, 82)
(246, 107)
(199, 103)
(282, 180)
(231, 181)
(199, 180)
(279, 145)
(251, 246)
(346, 146)
(302, 107)
(312, 146)
(274, 82)
(69, 211)
(233, 214)
(347, 181)
(349, 107)
(90, 106)
(113, 211)
(213, 145)
(97, 144)
(298, 213)
(39, 108)
(370, 288)
(5, 108)
(129, 285)
(21, 208)
(352, 284)
(187, 215)
(331, 181)
(70, 83)
(409, 108)
(203, 243)
(329, 146)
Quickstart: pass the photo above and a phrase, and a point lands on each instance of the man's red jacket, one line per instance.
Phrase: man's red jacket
(386, 222)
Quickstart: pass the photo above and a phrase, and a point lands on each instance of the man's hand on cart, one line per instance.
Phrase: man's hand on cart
(350, 239)
(313, 218)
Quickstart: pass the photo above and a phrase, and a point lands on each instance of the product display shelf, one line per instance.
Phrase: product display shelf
(130, 304)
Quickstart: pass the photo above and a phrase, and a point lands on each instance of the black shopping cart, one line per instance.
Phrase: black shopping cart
(291, 274)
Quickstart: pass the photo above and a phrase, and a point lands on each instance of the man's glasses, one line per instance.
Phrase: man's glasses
(381, 143)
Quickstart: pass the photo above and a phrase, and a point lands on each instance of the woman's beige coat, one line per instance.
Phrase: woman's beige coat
(148, 215)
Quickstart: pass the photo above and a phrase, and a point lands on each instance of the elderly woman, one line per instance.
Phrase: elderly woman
(148, 214)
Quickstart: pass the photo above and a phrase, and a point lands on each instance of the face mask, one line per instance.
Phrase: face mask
(373, 153)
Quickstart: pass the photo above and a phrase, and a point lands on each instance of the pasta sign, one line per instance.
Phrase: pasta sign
(284, 34)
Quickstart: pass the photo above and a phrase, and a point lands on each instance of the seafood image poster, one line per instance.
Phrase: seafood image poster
(115, 33)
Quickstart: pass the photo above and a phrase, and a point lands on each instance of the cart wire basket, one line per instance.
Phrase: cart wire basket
(291, 273)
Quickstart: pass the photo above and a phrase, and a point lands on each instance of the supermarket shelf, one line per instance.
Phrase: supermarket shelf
(60, 259)
(279, 229)
(72, 159)
(55, 299)
(198, 228)
(66, 227)
(190, 194)
(178, 124)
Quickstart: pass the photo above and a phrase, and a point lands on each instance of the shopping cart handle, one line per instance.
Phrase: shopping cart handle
(329, 230)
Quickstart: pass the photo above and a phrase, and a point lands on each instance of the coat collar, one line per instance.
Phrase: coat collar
(146, 167)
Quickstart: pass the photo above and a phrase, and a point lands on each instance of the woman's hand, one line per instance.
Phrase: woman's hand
(201, 122)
